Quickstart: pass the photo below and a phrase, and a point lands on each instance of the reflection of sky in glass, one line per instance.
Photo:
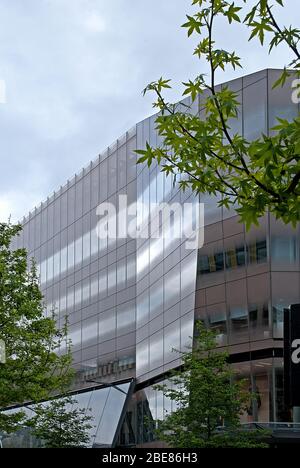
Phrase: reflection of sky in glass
(107, 281)
(104, 405)
(110, 416)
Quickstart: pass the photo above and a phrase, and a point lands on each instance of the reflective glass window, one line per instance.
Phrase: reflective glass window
(107, 325)
(255, 109)
(171, 287)
(218, 322)
(172, 341)
(142, 310)
(238, 311)
(142, 357)
(156, 350)
(111, 415)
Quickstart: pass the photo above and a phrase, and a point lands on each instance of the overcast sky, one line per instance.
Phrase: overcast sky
(74, 71)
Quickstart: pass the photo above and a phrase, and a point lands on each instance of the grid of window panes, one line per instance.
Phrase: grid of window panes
(233, 283)
(246, 279)
(90, 280)
(166, 270)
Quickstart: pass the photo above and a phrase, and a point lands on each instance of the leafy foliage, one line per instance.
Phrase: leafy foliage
(61, 424)
(253, 175)
(206, 396)
(33, 369)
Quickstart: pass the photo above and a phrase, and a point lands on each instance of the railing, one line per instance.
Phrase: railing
(274, 426)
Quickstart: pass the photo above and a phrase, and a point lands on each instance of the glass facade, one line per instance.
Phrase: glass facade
(105, 407)
(166, 274)
(91, 281)
(132, 303)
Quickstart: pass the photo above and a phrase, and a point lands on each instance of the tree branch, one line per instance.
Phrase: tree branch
(223, 122)
(291, 44)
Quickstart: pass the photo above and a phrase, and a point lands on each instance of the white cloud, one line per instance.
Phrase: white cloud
(13, 205)
(94, 23)
(6, 208)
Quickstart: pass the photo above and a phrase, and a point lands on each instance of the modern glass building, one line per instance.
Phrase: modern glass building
(130, 302)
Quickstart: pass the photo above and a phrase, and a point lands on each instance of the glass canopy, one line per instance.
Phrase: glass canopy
(106, 405)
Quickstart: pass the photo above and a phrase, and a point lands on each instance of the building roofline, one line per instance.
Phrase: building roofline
(103, 155)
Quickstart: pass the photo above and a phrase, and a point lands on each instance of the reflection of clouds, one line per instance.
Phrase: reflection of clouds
(75, 336)
(106, 283)
(142, 357)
